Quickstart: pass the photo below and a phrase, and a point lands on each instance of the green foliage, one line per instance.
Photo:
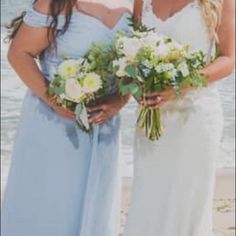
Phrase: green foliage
(137, 26)
(168, 40)
(132, 71)
(196, 60)
(194, 80)
(145, 53)
(101, 56)
(127, 88)
(149, 83)
(56, 87)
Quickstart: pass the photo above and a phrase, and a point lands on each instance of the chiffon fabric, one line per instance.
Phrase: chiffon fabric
(63, 181)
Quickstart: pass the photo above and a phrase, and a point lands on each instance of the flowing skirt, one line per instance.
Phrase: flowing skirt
(62, 181)
(174, 177)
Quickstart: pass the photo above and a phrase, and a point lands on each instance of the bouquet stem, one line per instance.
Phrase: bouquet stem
(149, 120)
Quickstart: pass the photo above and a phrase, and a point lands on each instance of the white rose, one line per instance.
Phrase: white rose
(151, 40)
(121, 63)
(162, 50)
(175, 45)
(120, 42)
(73, 90)
(131, 46)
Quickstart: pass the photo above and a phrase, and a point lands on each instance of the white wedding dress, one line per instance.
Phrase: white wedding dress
(174, 176)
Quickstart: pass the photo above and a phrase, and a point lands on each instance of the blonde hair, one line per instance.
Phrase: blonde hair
(212, 11)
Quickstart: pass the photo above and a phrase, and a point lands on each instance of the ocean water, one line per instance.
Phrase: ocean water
(13, 92)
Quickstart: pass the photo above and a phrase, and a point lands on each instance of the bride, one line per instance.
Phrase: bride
(174, 177)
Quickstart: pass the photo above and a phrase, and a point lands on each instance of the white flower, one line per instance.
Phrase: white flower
(73, 90)
(68, 69)
(175, 45)
(164, 67)
(172, 73)
(162, 50)
(131, 46)
(151, 40)
(92, 83)
(183, 68)
(86, 64)
(121, 63)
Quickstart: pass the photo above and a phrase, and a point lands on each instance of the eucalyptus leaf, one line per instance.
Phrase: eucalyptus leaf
(58, 90)
(131, 71)
(124, 90)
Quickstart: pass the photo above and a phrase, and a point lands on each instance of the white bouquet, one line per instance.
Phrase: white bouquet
(74, 86)
(148, 62)
(83, 82)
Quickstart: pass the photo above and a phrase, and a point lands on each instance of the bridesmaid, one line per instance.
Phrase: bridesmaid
(62, 182)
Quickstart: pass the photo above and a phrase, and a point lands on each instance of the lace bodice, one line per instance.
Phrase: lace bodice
(186, 26)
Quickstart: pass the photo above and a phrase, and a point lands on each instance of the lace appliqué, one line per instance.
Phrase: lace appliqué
(148, 9)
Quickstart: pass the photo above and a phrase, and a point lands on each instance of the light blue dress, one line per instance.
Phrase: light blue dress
(63, 182)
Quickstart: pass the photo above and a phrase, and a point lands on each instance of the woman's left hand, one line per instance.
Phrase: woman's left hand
(156, 100)
(107, 109)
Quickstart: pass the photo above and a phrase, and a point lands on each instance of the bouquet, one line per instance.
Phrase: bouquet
(79, 83)
(148, 62)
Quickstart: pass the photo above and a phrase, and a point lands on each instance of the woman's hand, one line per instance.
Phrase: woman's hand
(155, 100)
(64, 112)
(107, 109)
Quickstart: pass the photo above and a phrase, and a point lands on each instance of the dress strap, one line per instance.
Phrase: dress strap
(36, 19)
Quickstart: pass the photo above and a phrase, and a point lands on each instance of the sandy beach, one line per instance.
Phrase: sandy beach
(224, 202)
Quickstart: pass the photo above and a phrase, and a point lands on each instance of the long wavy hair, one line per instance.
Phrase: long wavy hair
(212, 12)
(56, 8)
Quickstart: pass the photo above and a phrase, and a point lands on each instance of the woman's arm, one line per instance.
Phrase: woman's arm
(137, 11)
(29, 43)
(25, 47)
(225, 63)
